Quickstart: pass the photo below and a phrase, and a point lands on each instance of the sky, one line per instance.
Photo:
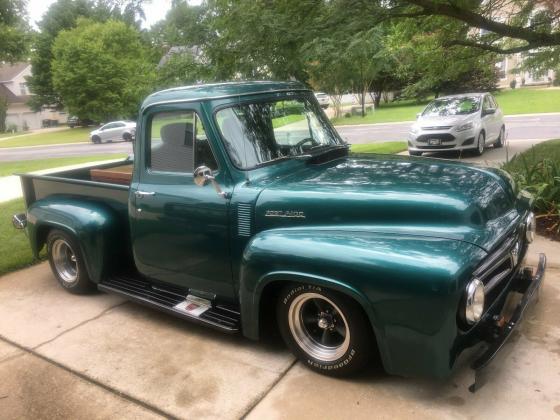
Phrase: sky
(155, 10)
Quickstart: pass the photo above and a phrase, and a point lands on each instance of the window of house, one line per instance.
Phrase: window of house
(178, 143)
(23, 88)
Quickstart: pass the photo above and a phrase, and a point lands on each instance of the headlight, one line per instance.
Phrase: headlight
(414, 129)
(474, 302)
(531, 227)
(464, 127)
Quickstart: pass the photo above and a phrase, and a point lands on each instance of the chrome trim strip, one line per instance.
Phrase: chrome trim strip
(496, 280)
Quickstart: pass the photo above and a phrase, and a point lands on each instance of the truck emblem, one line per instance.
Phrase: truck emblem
(292, 214)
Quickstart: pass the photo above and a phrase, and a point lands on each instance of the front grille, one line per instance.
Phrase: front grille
(437, 127)
(444, 137)
(500, 264)
(442, 146)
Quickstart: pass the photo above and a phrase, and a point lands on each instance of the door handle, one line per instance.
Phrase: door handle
(141, 194)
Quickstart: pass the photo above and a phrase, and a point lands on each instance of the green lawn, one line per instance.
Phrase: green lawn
(14, 245)
(22, 166)
(4, 135)
(70, 135)
(387, 147)
(517, 101)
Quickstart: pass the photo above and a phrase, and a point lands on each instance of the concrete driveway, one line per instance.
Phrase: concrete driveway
(66, 356)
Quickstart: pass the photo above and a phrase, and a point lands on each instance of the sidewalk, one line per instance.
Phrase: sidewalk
(38, 131)
(10, 186)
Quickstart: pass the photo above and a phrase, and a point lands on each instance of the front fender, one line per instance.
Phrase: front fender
(92, 224)
(409, 286)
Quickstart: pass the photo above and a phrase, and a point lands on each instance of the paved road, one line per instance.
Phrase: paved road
(518, 128)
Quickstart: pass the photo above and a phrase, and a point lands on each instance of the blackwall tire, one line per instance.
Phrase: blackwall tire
(500, 142)
(326, 330)
(480, 145)
(67, 263)
(96, 139)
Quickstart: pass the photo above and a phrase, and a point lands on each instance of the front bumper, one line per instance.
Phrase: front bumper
(423, 140)
(495, 330)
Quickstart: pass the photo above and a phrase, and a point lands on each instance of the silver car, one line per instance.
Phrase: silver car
(468, 121)
(114, 131)
(323, 99)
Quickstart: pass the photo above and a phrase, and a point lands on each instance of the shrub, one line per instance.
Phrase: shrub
(12, 128)
(538, 172)
(347, 115)
(24, 126)
(513, 83)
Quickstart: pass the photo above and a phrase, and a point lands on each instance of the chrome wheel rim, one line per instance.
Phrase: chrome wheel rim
(65, 261)
(319, 327)
(480, 143)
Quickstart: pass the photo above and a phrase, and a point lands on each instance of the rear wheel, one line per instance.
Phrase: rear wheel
(500, 142)
(326, 331)
(480, 144)
(67, 263)
(96, 139)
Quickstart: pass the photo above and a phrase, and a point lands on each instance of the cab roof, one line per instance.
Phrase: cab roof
(219, 90)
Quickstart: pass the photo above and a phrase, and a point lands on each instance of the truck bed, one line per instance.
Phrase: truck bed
(92, 183)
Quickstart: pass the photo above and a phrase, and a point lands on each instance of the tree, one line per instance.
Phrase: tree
(3, 113)
(101, 70)
(14, 32)
(62, 15)
(182, 69)
(498, 26)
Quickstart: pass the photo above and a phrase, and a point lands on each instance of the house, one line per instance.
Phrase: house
(506, 71)
(13, 87)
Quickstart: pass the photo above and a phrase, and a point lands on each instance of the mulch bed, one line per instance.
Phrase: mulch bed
(545, 227)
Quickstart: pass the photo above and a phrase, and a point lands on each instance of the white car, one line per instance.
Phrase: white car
(114, 131)
(323, 99)
(468, 121)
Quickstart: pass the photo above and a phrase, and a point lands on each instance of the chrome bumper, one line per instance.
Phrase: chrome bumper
(498, 333)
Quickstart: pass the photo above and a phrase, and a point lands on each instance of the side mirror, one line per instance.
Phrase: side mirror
(203, 176)
(489, 111)
(19, 221)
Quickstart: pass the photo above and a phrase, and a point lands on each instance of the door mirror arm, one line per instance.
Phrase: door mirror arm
(203, 176)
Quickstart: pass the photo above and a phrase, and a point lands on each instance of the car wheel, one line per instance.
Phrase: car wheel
(414, 153)
(67, 263)
(480, 144)
(500, 142)
(96, 139)
(325, 330)
(127, 137)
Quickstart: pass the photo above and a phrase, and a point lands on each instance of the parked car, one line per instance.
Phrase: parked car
(74, 121)
(323, 99)
(113, 131)
(460, 122)
(232, 221)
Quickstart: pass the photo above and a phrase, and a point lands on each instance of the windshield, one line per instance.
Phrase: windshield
(257, 133)
(452, 106)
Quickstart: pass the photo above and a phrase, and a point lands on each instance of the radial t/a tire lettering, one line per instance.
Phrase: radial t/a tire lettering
(326, 330)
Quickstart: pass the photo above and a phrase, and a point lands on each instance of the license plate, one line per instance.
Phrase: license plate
(434, 142)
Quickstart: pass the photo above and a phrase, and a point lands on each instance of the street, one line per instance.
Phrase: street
(533, 127)
(526, 127)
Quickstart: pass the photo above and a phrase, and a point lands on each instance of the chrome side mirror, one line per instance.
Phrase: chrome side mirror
(203, 176)
(19, 221)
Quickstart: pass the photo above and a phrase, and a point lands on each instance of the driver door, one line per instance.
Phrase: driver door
(180, 230)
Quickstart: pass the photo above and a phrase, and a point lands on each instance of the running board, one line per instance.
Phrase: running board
(174, 301)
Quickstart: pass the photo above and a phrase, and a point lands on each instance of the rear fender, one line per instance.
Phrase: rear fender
(92, 224)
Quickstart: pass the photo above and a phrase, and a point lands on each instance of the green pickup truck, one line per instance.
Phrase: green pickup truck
(243, 208)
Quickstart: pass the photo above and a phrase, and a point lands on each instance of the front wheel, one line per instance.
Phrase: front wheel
(67, 263)
(96, 139)
(127, 137)
(480, 144)
(327, 331)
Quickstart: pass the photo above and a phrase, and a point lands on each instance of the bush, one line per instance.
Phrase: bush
(347, 115)
(538, 172)
(24, 126)
(513, 83)
(11, 128)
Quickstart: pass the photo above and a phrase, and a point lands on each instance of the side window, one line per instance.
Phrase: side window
(493, 102)
(486, 104)
(178, 143)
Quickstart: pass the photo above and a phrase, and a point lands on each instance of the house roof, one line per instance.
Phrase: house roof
(9, 95)
(220, 90)
(9, 71)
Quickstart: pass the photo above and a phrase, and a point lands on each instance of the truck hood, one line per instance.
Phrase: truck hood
(393, 195)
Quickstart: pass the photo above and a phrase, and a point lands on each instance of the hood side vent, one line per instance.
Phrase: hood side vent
(244, 219)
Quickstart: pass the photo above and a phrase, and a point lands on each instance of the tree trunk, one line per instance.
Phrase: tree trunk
(364, 93)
